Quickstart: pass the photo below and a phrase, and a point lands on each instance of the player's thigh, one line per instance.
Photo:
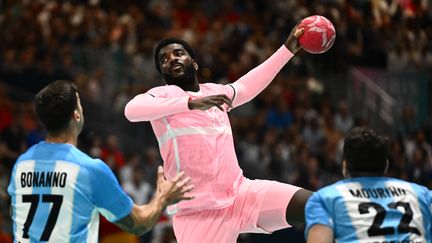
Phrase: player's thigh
(209, 226)
(261, 205)
(273, 211)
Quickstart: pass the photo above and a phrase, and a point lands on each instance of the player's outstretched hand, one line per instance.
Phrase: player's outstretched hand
(292, 42)
(206, 103)
(175, 190)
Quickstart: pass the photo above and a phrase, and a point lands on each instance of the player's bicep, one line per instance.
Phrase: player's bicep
(110, 199)
(231, 92)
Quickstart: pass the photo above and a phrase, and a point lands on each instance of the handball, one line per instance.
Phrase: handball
(319, 34)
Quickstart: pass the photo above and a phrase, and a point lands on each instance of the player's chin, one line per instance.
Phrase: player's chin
(178, 74)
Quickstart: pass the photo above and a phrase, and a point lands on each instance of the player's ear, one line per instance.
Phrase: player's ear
(195, 64)
(344, 168)
(77, 115)
(386, 166)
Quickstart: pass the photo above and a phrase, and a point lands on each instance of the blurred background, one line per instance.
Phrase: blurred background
(377, 74)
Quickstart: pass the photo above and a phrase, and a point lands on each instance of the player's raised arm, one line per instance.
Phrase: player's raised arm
(256, 80)
(144, 217)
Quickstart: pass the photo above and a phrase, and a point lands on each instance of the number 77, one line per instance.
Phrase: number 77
(33, 199)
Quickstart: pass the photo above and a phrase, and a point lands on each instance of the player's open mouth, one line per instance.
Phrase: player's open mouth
(176, 66)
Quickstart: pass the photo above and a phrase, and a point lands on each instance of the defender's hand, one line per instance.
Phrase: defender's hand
(206, 103)
(175, 190)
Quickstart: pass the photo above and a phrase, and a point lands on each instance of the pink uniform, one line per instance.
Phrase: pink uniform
(200, 143)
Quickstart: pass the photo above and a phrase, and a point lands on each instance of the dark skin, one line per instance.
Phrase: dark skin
(174, 61)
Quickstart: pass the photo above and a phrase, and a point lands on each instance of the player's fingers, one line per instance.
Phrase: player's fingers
(216, 102)
(226, 100)
(187, 197)
(298, 32)
(179, 177)
(160, 174)
(223, 99)
(219, 107)
(187, 189)
(184, 182)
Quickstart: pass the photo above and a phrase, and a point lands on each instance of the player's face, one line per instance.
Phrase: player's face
(177, 66)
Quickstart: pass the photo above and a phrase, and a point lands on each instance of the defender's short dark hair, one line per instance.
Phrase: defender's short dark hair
(169, 41)
(365, 151)
(55, 105)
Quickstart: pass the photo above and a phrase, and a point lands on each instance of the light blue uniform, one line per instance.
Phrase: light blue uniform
(58, 192)
(373, 210)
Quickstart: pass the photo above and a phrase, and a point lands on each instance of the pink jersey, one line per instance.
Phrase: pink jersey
(200, 143)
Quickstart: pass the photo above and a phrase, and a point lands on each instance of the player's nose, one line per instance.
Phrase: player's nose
(173, 59)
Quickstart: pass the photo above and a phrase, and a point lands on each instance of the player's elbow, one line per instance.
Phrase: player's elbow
(130, 112)
(135, 230)
(130, 225)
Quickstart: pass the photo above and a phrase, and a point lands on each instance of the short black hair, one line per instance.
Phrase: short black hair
(55, 105)
(365, 151)
(169, 41)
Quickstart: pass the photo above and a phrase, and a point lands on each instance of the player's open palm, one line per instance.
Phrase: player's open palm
(175, 190)
(207, 102)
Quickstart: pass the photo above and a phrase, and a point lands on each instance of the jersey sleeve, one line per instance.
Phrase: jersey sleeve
(316, 213)
(108, 196)
(154, 104)
(429, 205)
(256, 80)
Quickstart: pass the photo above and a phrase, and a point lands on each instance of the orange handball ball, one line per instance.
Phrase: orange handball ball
(319, 34)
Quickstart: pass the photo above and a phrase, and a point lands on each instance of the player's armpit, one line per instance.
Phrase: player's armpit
(320, 234)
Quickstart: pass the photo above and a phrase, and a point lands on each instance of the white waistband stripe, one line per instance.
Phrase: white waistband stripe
(177, 132)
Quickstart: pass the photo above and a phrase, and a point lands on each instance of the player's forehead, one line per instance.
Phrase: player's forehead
(171, 48)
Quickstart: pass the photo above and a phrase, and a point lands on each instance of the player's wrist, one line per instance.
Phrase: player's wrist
(161, 200)
(191, 104)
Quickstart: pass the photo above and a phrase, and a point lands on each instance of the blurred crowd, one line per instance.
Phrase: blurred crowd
(292, 132)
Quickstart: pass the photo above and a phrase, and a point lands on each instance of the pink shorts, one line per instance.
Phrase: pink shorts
(259, 207)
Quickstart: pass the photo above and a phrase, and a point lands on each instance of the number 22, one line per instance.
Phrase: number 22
(52, 217)
(375, 229)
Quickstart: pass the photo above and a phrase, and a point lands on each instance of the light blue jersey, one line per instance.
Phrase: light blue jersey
(58, 192)
(373, 210)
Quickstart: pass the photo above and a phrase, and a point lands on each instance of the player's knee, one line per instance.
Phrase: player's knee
(296, 206)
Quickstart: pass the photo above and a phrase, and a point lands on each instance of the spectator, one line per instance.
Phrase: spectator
(343, 120)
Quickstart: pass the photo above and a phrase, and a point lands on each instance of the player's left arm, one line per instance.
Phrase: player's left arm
(117, 207)
(143, 217)
(256, 80)
(320, 234)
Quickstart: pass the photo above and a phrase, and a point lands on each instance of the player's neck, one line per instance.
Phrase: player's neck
(366, 174)
(66, 137)
(194, 87)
